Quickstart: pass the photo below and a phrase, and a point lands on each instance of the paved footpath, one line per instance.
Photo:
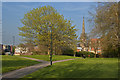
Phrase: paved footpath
(35, 59)
(27, 70)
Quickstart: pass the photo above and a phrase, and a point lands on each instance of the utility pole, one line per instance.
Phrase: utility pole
(13, 40)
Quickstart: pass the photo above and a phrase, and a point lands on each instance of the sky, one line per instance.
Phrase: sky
(13, 12)
(59, 0)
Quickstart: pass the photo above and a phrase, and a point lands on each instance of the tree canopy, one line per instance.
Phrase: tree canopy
(37, 30)
(106, 25)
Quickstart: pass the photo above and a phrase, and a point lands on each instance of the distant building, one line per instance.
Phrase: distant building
(20, 50)
(96, 44)
(6, 49)
(83, 45)
(79, 49)
(83, 36)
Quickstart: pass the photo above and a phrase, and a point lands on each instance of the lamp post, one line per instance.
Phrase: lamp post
(51, 47)
(13, 49)
(13, 40)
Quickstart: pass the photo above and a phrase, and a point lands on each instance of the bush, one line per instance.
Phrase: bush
(68, 52)
(38, 53)
(3, 52)
(79, 54)
(110, 53)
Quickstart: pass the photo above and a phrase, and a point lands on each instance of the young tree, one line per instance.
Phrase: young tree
(38, 24)
(95, 45)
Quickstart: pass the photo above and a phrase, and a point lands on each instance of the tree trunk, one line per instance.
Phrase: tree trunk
(95, 54)
(74, 54)
(48, 51)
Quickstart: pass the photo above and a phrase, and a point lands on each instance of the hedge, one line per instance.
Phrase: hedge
(68, 52)
(86, 53)
(110, 53)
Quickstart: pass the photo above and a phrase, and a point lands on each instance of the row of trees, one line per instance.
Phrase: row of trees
(107, 26)
(38, 24)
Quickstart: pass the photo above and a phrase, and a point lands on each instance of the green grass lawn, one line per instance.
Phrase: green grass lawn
(10, 63)
(47, 57)
(80, 68)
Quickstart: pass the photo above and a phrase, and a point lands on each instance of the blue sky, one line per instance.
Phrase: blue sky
(60, 0)
(13, 12)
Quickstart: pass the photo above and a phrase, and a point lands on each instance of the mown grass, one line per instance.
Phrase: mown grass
(47, 57)
(10, 63)
(80, 68)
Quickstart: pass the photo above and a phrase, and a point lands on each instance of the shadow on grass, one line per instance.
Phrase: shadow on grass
(9, 65)
(77, 70)
(15, 63)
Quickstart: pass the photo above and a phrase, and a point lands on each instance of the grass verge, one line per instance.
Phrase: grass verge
(10, 63)
(80, 68)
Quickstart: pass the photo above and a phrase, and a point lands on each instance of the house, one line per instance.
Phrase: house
(79, 49)
(6, 49)
(20, 50)
(95, 46)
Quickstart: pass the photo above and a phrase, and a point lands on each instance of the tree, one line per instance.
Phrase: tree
(106, 25)
(84, 39)
(37, 29)
(95, 44)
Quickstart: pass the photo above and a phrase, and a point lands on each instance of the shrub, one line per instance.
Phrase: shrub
(3, 52)
(86, 53)
(78, 54)
(35, 52)
(68, 52)
(110, 53)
